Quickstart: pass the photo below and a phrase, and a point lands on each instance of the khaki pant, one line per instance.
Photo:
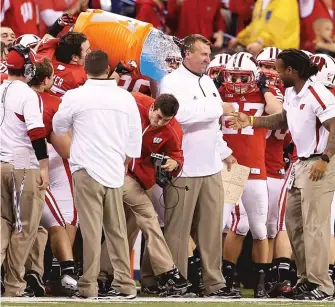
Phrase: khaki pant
(307, 221)
(141, 215)
(99, 206)
(197, 212)
(35, 259)
(15, 246)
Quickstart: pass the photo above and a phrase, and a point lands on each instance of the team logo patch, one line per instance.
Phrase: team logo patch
(157, 140)
(302, 106)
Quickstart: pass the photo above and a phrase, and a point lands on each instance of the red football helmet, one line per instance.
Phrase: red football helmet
(241, 73)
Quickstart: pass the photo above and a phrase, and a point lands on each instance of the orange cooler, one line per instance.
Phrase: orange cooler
(124, 38)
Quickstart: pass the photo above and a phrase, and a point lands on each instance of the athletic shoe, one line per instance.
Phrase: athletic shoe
(173, 283)
(2, 286)
(28, 292)
(35, 282)
(280, 289)
(313, 295)
(113, 293)
(64, 286)
(260, 292)
(104, 285)
(224, 292)
(151, 290)
(300, 287)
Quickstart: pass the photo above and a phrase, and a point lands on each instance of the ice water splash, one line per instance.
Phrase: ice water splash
(156, 49)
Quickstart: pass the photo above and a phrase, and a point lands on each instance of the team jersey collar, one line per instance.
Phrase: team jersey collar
(102, 82)
(193, 73)
(304, 89)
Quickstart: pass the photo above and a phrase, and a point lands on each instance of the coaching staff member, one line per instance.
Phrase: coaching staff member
(200, 208)
(106, 134)
(309, 114)
(24, 167)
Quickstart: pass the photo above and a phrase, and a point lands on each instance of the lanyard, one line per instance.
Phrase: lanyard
(16, 202)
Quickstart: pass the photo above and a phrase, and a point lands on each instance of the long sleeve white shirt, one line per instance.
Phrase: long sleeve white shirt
(106, 127)
(199, 112)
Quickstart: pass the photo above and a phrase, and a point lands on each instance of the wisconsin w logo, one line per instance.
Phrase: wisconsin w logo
(319, 61)
(157, 140)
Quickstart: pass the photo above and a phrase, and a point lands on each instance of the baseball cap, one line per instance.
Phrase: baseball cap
(16, 61)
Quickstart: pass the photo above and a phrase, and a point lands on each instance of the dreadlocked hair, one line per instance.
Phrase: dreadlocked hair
(300, 62)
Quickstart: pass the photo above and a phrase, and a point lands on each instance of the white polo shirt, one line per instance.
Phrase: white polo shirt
(306, 111)
(21, 111)
(199, 113)
(106, 126)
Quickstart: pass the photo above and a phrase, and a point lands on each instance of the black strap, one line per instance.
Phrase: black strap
(310, 157)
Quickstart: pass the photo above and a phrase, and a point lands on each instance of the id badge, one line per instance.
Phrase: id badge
(291, 179)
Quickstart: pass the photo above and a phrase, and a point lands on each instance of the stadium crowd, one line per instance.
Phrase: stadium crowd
(91, 154)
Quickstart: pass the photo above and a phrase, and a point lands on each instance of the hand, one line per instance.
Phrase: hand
(66, 20)
(262, 83)
(232, 43)
(44, 175)
(123, 68)
(230, 161)
(228, 108)
(254, 48)
(317, 170)
(170, 165)
(238, 120)
(84, 5)
(218, 81)
(218, 36)
(74, 9)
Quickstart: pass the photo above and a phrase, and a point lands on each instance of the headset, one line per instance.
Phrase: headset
(29, 67)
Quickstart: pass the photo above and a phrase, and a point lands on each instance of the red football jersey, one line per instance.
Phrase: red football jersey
(67, 76)
(248, 144)
(50, 107)
(138, 83)
(20, 15)
(275, 166)
(3, 71)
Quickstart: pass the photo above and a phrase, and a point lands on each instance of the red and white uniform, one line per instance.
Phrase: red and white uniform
(138, 83)
(20, 15)
(248, 145)
(67, 76)
(21, 121)
(59, 198)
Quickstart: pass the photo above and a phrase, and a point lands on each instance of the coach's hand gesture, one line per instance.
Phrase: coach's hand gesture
(317, 170)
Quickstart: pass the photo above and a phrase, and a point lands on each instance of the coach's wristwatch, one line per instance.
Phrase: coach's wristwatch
(325, 158)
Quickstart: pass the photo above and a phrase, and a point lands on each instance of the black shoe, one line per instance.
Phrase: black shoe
(173, 283)
(260, 292)
(313, 295)
(225, 292)
(28, 292)
(280, 289)
(2, 287)
(300, 287)
(35, 282)
(150, 290)
(104, 286)
(64, 286)
(113, 293)
(194, 275)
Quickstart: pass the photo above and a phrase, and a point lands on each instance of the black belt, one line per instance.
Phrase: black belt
(310, 157)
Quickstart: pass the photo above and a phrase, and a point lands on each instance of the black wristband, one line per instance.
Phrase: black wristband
(55, 29)
(40, 148)
(265, 90)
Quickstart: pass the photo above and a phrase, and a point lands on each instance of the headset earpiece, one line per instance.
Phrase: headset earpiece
(29, 67)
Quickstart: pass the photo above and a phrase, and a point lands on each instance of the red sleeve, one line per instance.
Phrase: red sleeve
(36, 133)
(172, 18)
(219, 23)
(45, 5)
(146, 13)
(174, 147)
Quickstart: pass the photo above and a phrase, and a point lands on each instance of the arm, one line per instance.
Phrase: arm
(330, 126)
(273, 105)
(62, 120)
(134, 142)
(199, 110)
(276, 121)
(61, 143)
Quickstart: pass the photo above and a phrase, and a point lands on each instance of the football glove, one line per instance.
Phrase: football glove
(123, 68)
(262, 84)
(218, 80)
(66, 20)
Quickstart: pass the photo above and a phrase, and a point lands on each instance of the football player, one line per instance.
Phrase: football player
(249, 92)
(275, 179)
